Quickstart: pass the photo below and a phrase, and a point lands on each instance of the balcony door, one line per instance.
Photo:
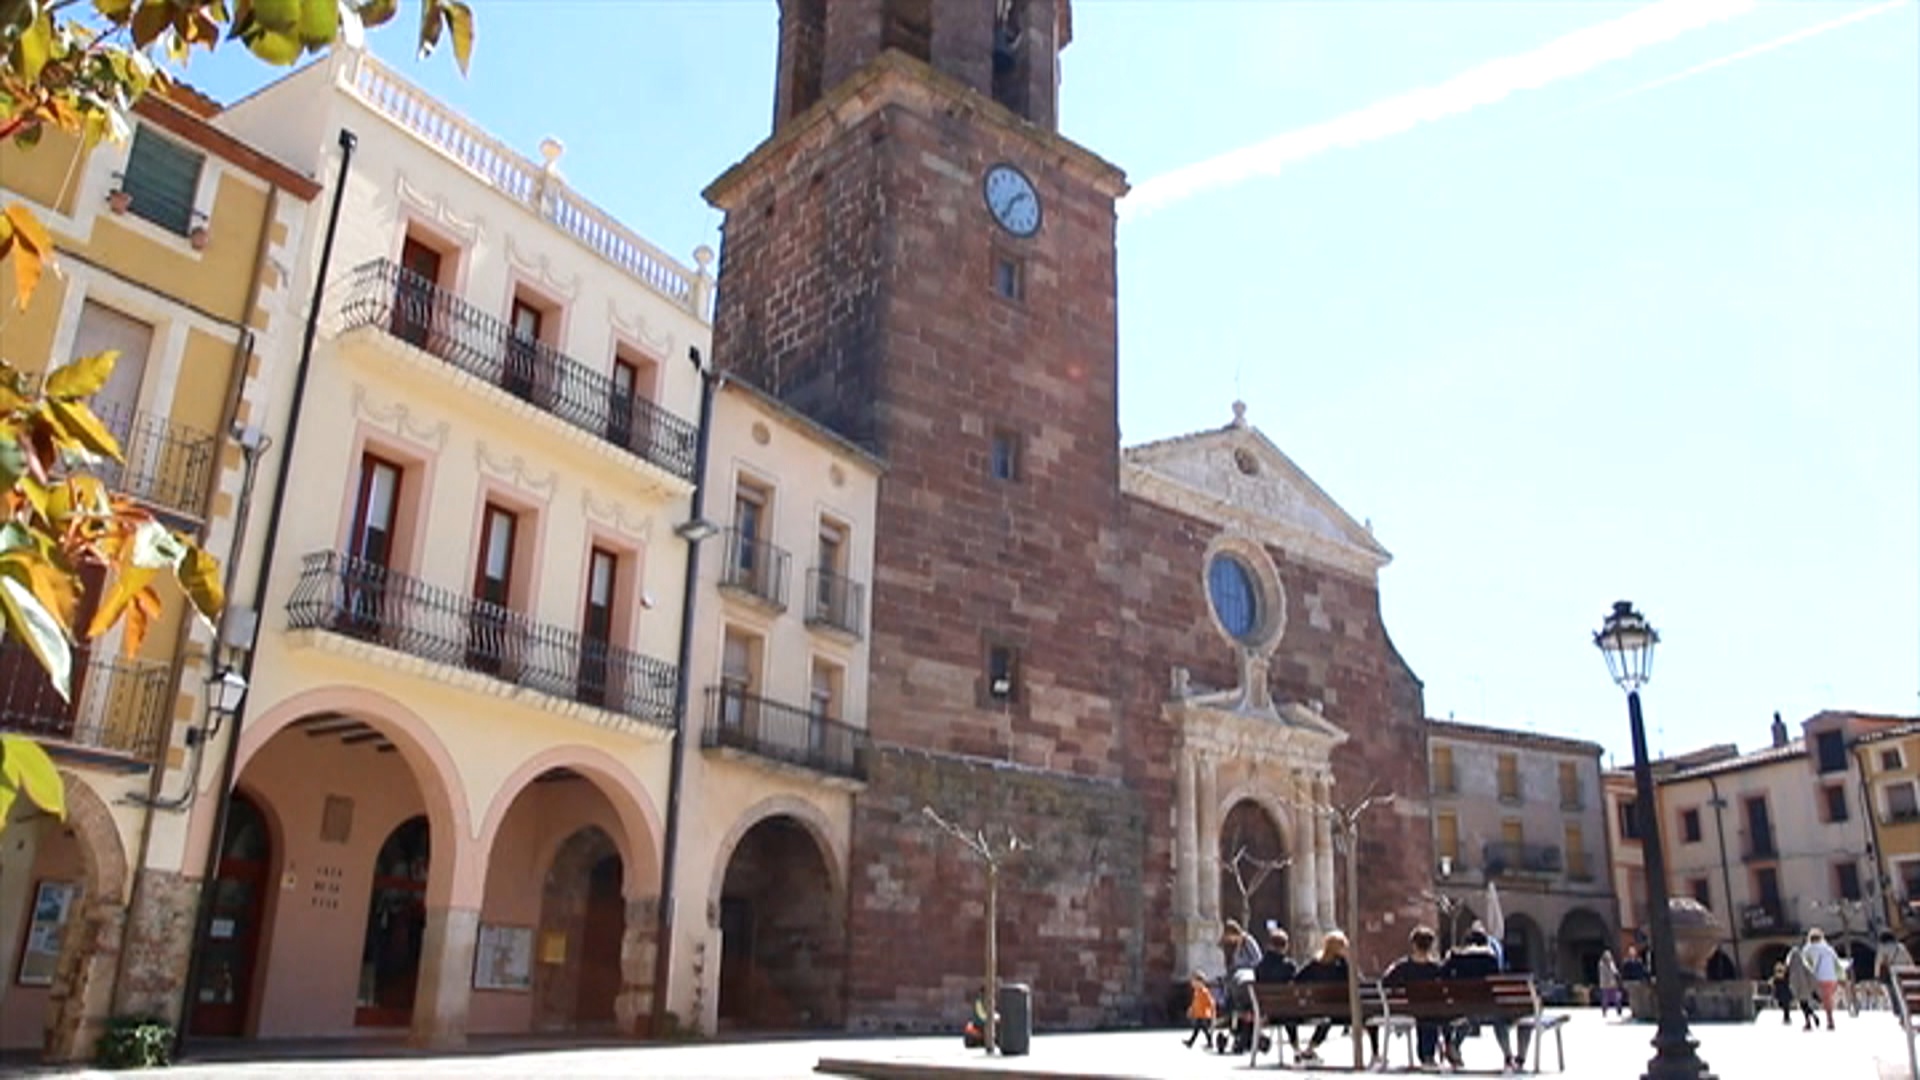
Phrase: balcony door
(1759, 828)
(749, 523)
(830, 591)
(521, 376)
(413, 300)
(102, 329)
(739, 683)
(370, 546)
(489, 629)
(596, 627)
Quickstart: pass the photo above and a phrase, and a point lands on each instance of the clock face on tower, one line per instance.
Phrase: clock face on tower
(1012, 200)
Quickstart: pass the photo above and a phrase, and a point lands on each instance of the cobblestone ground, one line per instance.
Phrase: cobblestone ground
(1869, 1047)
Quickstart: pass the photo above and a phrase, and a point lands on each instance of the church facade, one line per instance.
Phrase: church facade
(1163, 669)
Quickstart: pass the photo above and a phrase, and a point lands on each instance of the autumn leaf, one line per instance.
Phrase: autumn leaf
(30, 245)
(78, 424)
(25, 768)
(199, 575)
(140, 617)
(82, 377)
(459, 19)
(114, 604)
(27, 619)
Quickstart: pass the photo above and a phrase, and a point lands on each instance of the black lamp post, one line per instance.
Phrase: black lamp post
(1627, 640)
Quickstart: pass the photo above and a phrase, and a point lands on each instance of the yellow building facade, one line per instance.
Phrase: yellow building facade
(1889, 765)
(176, 249)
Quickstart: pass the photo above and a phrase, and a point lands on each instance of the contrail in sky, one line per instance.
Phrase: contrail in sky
(1797, 35)
(1562, 58)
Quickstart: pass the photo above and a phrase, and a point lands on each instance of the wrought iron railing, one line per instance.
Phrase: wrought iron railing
(1759, 847)
(779, 732)
(1508, 857)
(1764, 918)
(754, 566)
(118, 705)
(835, 600)
(164, 464)
(364, 600)
(402, 303)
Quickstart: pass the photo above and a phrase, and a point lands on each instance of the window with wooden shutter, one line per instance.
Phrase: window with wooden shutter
(162, 177)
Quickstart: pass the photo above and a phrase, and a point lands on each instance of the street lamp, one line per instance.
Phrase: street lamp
(1627, 641)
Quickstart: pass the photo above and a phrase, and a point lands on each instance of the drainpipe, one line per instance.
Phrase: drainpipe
(204, 916)
(682, 695)
(1726, 874)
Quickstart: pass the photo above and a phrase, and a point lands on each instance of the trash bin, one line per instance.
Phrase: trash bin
(1016, 1018)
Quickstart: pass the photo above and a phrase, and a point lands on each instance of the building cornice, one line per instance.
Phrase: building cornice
(1149, 486)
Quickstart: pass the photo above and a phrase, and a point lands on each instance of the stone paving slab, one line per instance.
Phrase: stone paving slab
(1865, 1048)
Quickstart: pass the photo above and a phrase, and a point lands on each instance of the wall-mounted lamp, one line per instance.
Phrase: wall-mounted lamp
(696, 530)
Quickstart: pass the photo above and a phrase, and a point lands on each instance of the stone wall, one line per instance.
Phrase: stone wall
(153, 968)
(1072, 920)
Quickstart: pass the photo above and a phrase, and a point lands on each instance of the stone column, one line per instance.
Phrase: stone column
(1306, 867)
(445, 988)
(1207, 851)
(633, 1008)
(1323, 854)
(83, 984)
(1186, 841)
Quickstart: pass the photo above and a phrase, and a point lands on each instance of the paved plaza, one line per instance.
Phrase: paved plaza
(1866, 1048)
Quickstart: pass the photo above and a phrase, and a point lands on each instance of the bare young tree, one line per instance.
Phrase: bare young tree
(994, 853)
(1249, 872)
(1345, 819)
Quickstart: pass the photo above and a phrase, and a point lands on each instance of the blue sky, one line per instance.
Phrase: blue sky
(1560, 349)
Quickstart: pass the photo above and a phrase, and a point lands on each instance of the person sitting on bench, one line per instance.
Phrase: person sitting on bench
(1476, 960)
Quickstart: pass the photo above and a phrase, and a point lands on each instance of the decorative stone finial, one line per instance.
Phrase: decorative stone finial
(1239, 414)
(551, 149)
(703, 257)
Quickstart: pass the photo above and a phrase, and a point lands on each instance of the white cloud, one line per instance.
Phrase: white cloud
(1563, 58)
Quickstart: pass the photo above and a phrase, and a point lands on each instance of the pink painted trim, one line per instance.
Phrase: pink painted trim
(808, 816)
(417, 464)
(639, 819)
(529, 543)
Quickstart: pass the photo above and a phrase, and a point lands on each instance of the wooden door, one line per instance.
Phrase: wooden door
(602, 932)
(229, 955)
(418, 289)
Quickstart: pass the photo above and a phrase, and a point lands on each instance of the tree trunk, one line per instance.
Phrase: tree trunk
(1353, 949)
(993, 959)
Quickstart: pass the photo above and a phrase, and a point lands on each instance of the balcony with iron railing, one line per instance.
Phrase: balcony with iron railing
(165, 464)
(118, 705)
(1765, 919)
(754, 569)
(1446, 781)
(1506, 858)
(370, 603)
(834, 601)
(409, 308)
(738, 721)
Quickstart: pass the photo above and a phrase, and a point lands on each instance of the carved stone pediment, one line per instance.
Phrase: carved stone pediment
(1225, 724)
(1236, 476)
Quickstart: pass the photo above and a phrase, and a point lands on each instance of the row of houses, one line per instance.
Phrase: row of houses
(458, 511)
(1815, 828)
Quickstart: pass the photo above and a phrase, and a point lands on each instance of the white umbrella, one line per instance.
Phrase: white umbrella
(1496, 920)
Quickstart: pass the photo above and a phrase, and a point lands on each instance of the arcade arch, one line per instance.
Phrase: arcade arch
(781, 921)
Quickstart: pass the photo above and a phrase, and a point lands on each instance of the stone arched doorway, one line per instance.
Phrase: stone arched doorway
(1721, 967)
(1523, 944)
(1254, 875)
(582, 904)
(782, 935)
(1583, 937)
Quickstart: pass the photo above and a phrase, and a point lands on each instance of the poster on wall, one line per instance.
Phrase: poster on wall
(52, 905)
(503, 958)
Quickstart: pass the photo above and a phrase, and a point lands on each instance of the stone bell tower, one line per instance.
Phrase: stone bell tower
(916, 259)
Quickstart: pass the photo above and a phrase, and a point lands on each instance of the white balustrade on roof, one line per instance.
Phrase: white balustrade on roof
(524, 181)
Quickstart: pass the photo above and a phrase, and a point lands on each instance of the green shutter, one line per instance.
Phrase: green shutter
(162, 177)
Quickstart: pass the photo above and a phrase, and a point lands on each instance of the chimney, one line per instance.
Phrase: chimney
(1779, 731)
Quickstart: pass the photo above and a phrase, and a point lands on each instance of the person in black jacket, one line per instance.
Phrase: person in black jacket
(1422, 964)
(1477, 961)
(1277, 967)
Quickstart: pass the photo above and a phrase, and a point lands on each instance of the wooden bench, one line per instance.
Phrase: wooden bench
(1306, 1002)
(1509, 998)
(1906, 1002)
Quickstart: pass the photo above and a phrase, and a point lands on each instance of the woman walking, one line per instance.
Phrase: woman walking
(1609, 984)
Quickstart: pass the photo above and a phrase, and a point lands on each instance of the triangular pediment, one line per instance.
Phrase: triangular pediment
(1235, 475)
